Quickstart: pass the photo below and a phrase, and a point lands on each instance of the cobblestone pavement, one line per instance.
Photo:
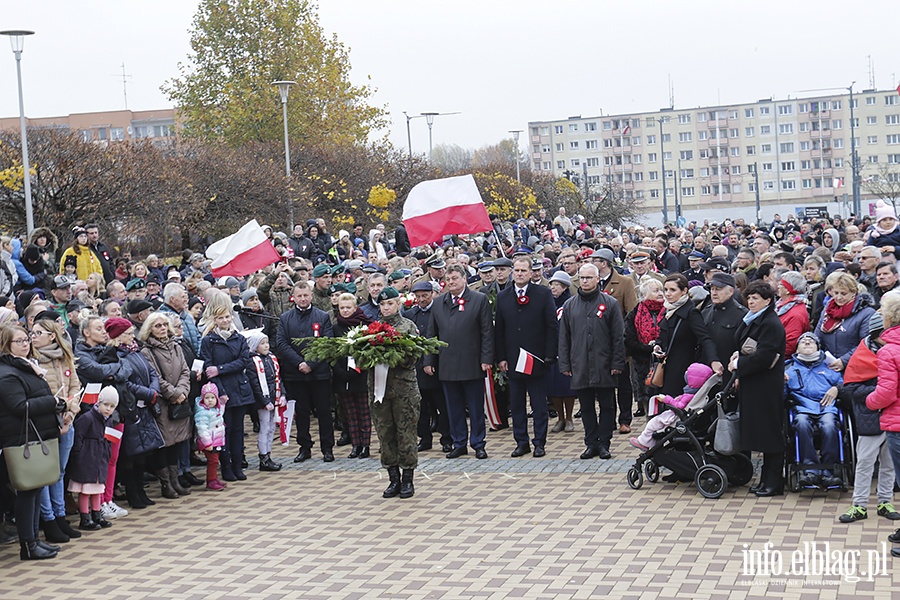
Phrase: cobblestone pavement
(549, 528)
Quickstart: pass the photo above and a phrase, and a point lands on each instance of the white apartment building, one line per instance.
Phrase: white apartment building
(800, 146)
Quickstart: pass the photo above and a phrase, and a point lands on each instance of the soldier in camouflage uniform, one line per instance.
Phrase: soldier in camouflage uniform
(397, 416)
(321, 296)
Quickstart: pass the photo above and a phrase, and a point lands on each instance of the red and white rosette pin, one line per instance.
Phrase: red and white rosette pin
(600, 310)
(522, 300)
(441, 283)
(316, 328)
(461, 303)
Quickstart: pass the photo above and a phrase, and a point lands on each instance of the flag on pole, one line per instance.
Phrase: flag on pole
(627, 130)
(91, 393)
(242, 253)
(442, 207)
(113, 434)
(525, 364)
(285, 418)
(838, 182)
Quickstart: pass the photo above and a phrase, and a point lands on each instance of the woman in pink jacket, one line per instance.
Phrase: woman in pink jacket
(886, 396)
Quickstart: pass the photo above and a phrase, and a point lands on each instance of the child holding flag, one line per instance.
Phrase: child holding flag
(89, 461)
(266, 384)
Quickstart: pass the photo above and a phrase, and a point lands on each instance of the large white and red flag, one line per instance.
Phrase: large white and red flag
(442, 207)
(242, 253)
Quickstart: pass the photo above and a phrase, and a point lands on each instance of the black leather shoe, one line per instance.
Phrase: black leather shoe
(538, 452)
(355, 452)
(328, 456)
(480, 453)
(640, 413)
(422, 447)
(457, 452)
(46, 546)
(304, 454)
(520, 451)
(604, 453)
(192, 479)
(894, 538)
(895, 552)
(445, 448)
(197, 461)
(364, 452)
(810, 480)
(756, 488)
(344, 440)
(767, 491)
(590, 453)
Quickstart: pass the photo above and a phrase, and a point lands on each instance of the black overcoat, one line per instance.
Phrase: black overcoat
(692, 343)
(532, 326)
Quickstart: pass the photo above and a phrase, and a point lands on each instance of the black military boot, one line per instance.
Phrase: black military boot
(406, 484)
(393, 489)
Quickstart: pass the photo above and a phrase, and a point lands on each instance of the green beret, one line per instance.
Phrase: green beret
(387, 294)
(351, 287)
(396, 275)
(136, 284)
(321, 270)
(337, 270)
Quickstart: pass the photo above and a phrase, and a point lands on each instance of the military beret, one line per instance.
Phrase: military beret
(388, 293)
(321, 270)
(135, 284)
(396, 275)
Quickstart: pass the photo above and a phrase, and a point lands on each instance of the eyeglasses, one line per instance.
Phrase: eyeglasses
(22, 341)
(160, 325)
(39, 333)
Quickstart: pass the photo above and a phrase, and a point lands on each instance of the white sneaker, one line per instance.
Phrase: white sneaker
(111, 510)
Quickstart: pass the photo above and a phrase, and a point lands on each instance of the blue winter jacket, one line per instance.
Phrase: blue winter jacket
(232, 358)
(843, 340)
(27, 281)
(807, 384)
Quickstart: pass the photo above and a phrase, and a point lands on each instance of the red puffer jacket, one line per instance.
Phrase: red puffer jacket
(887, 392)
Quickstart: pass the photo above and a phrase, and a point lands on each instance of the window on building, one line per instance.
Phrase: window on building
(764, 110)
(804, 127)
(766, 148)
(892, 139)
(593, 162)
(765, 129)
(607, 125)
(545, 148)
(732, 115)
(537, 166)
(590, 126)
(558, 129)
(836, 105)
(805, 165)
(85, 135)
(704, 171)
(546, 166)
(734, 151)
(545, 130)
(750, 150)
(573, 127)
(687, 191)
(686, 155)
(651, 157)
(701, 117)
(705, 190)
(788, 165)
(639, 176)
(749, 131)
(839, 124)
(667, 155)
(666, 138)
(636, 140)
(573, 145)
(748, 113)
(767, 166)
(636, 159)
(560, 164)
(575, 162)
(838, 143)
(560, 147)
(806, 184)
(651, 139)
(786, 147)
(785, 109)
(804, 146)
(685, 136)
(873, 159)
(654, 193)
(684, 119)
(786, 128)
(893, 159)
(590, 145)
(687, 173)
(736, 170)
(788, 184)
(892, 119)
(141, 132)
(768, 185)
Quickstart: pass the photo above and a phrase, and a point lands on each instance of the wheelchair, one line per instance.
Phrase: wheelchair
(844, 469)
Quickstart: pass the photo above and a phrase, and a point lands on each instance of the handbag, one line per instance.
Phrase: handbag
(657, 373)
(728, 432)
(179, 412)
(34, 464)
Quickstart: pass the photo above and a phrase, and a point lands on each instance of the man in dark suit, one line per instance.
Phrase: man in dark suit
(526, 322)
(462, 318)
(430, 388)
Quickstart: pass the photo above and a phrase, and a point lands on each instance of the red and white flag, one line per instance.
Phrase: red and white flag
(242, 253)
(442, 207)
(838, 182)
(285, 419)
(525, 364)
(490, 400)
(113, 434)
(627, 130)
(91, 393)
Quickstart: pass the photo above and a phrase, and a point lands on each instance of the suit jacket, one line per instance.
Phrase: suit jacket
(532, 327)
(469, 333)
(622, 289)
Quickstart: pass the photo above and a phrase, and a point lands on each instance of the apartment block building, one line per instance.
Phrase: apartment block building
(158, 126)
(707, 155)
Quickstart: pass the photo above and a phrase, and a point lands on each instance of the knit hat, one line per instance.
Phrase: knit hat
(248, 295)
(884, 210)
(116, 326)
(78, 231)
(108, 395)
(254, 338)
(209, 388)
(811, 336)
(876, 323)
(7, 315)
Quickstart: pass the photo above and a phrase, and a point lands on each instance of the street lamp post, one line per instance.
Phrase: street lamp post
(515, 133)
(662, 157)
(284, 88)
(429, 118)
(17, 40)
(408, 134)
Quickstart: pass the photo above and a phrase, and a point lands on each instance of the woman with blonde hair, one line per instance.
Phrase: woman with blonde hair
(54, 354)
(96, 287)
(175, 408)
(845, 318)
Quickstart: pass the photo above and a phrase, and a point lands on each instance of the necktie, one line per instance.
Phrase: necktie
(521, 293)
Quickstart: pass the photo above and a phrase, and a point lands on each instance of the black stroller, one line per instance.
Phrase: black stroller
(686, 447)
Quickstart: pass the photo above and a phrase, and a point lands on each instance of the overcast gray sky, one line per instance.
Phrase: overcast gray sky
(499, 63)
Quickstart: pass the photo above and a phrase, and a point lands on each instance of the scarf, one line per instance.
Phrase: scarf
(835, 315)
(261, 374)
(223, 333)
(357, 318)
(672, 307)
(752, 316)
(589, 296)
(883, 231)
(809, 359)
(784, 305)
(645, 320)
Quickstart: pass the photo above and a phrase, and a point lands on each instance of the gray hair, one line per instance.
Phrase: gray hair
(796, 280)
(171, 290)
(646, 285)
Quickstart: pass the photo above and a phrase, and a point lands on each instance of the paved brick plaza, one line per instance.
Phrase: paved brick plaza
(549, 528)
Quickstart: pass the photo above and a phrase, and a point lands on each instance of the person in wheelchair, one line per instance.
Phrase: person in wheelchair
(812, 389)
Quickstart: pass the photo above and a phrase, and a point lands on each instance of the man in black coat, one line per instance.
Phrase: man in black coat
(592, 351)
(401, 240)
(526, 327)
(307, 382)
(430, 388)
(102, 252)
(723, 316)
(462, 318)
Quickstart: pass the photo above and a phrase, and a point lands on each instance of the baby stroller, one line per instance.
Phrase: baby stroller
(686, 447)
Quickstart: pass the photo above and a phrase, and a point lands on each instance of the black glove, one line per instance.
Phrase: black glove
(61, 406)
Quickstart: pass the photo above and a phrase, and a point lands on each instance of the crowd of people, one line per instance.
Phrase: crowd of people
(536, 314)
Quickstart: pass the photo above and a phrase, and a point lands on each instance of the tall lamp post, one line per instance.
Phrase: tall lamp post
(408, 134)
(284, 88)
(17, 40)
(515, 133)
(429, 118)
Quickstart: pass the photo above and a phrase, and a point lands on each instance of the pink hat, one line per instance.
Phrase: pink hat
(884, 211)
(209, 388)
(116, 326)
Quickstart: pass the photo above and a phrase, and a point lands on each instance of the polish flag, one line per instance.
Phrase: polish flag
(525, 364)
(442, 207)
(91, 393)
(838, 182)
(627, 130)
(490, 400)
(112, 434)
(242, 253)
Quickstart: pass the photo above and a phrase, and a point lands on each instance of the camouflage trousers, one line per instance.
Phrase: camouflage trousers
(396, 419)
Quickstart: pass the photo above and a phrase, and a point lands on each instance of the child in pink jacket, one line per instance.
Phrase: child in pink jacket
(210, 432)
(695, 377)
